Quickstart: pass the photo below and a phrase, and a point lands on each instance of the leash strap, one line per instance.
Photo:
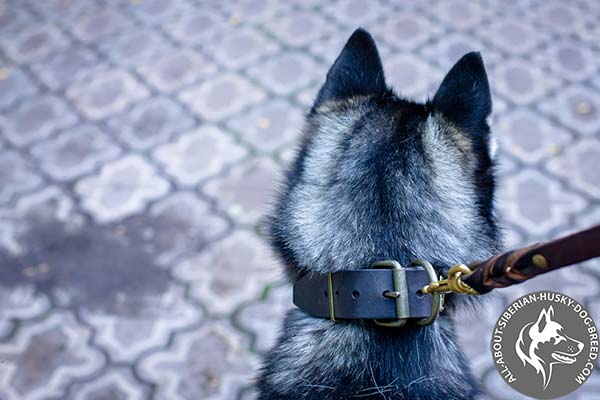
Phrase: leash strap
(517, 266)
(359, 294)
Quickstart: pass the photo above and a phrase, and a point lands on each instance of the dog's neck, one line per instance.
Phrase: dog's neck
(319, 359)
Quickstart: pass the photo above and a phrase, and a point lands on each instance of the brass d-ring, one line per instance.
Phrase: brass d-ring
(437, 299)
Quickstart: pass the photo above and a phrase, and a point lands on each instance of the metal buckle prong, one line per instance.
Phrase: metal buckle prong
(399, 294)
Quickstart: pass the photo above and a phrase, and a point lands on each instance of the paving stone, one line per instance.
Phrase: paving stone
(55, 351)
(94, 269)
(568, 59)
(406, 29)
(263, 318)
(327, 49)
(105, 93)
(288, 72)
(353, 13)
(460, 14)
(122, 188)
(245, 191)
(157, 11)
(47, 204)
(22, 303)
(412, 77)
(255, 11)
(203, 102)
(224, 368)
(245, 269)
(176, 69)
(198, 155)
(537, 203)
(6, 327)
(176, 226)
(587, 29)
(61, 10)
(151, 122)
(34, 42)
(530, 137)
(138, 47)
(15, 85)
(450, 48)
(97, 23)
(557, 16)
(269, 126)
(114, 384)
(17, 175)
(579, 166)
(300, 28)
(60, 69)
(578, 107)
(75, 152)
(13, 19)
(241, 47)
(194, 28)
(222, 96)
(137, 328)
(521, 82)
(513, 36)
(36, 119)
(514, 8)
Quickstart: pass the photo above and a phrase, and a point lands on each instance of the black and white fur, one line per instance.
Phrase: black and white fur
(380, 177)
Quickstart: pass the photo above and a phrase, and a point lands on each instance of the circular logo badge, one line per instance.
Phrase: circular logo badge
(545, 345)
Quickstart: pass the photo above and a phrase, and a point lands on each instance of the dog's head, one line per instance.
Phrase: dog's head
(379, 177)
(544, 343)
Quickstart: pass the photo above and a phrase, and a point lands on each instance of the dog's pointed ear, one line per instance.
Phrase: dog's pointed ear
(544, 318)
(356, 71)
(464, 95)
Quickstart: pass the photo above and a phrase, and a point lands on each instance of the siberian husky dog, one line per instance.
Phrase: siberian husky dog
(381, 177)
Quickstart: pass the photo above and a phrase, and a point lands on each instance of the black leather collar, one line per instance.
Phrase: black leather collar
(374, 294)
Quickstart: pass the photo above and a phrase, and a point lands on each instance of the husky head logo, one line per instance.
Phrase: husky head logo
(543, 344)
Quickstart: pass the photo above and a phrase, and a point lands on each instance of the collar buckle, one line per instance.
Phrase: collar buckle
(400, 292)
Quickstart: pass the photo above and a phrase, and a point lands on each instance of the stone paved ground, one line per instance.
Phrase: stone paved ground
(140, 139)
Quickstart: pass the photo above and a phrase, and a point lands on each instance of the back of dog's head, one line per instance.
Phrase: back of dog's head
(381, 177)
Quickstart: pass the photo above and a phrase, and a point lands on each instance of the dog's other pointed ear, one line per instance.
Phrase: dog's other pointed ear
(356, 71)
(464, 95)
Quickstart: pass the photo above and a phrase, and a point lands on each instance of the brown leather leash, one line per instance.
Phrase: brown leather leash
(517, 266)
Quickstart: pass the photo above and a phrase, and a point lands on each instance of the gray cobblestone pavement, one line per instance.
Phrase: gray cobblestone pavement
(140, 141)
